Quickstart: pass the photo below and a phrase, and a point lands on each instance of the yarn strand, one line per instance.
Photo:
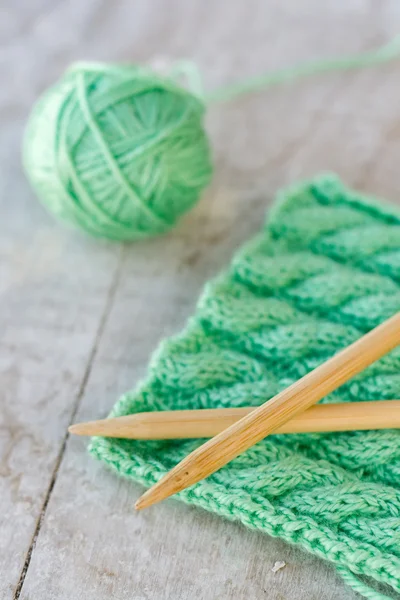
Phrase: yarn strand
(381, 55)
(359, 586)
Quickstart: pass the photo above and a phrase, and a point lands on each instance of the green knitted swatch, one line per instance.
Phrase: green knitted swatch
(323, 271)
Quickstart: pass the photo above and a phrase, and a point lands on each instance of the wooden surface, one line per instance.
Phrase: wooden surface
(79, 318)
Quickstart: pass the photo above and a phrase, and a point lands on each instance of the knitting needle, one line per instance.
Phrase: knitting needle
(184, 424)
(219, 450)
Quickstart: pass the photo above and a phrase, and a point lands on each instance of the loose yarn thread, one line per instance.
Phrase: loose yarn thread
(121, 152)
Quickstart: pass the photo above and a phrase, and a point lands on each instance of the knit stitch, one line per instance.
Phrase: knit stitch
(324, 270)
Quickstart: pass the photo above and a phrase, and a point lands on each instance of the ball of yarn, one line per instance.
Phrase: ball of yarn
(117, 151)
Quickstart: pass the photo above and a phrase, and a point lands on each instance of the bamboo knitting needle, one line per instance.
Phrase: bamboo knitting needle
(262, 421)
(184, 424)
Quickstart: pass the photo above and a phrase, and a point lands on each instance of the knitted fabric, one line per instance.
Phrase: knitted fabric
(324, 270)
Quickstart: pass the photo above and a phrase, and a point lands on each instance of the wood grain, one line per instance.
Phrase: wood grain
(72, 336)
(207, 422)
(48, 333)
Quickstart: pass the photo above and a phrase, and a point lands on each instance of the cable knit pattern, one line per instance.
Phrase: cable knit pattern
(325, 269)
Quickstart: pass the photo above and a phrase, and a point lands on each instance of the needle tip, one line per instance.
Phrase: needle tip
(141, 503)
(90, 428)
(147, 499)
(74, 428)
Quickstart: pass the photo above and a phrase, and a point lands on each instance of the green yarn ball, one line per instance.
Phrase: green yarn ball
(117, 151)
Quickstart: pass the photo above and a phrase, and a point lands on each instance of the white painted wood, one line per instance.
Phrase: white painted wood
(48, 330)
(73, 309)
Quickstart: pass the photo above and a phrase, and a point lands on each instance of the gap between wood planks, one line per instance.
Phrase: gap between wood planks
(92, 355)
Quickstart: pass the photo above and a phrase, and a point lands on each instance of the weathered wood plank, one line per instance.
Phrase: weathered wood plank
(48, 326)
(56, 289)
(48, 332)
